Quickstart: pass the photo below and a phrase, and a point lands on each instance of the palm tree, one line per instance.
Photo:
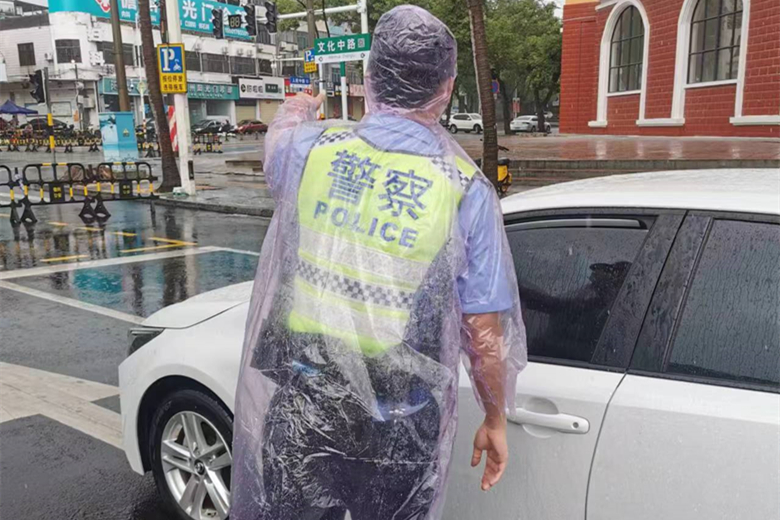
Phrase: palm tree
(485, 88)
(170, 171)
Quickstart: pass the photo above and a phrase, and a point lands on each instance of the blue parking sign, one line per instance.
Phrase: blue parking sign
(172, 68)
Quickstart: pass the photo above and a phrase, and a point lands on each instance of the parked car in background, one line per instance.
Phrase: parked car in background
(251, 126)
(652, 389)
(465, 123)
(212, 126)
(528, 124)
(39, 124)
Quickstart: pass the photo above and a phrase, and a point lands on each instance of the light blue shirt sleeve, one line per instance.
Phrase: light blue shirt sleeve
(485, 286)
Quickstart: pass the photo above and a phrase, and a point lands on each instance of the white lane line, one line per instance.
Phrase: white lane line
(238, 251)
(97, 309)
(36, 271)
(27, 391)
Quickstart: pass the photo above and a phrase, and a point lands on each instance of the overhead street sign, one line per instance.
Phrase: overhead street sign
(309, 65)
(172, 68)
(352, 47)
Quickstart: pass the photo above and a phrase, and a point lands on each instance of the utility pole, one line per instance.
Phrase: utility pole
(78, 96)
(49, 118)
(180, 104)
(119, 58)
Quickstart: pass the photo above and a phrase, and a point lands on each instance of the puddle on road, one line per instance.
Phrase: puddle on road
(142, 288)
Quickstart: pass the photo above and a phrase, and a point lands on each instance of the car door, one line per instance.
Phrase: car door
(585, 279)
(693, 432)
(461, 121)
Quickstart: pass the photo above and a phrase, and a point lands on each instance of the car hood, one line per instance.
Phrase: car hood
(200, 308)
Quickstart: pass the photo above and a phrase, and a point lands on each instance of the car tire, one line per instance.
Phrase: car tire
(477, 129)
(547, 129)
(453, 129)
(172, 426)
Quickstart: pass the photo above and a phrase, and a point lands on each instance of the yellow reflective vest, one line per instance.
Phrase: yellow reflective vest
(371, 223)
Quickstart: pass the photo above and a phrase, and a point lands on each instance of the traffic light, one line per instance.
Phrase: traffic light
(251, 20)
(218, 23)
(37, 90)
(271, 17)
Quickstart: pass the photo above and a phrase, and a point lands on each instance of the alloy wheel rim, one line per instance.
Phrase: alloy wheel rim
(196, 462)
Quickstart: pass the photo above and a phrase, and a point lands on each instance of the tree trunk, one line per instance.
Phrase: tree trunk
(540, 119)
(448, 113)
(485, 89)
(170, 171)
(506, 105)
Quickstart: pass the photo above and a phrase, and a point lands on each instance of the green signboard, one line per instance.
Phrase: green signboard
(108, 86)
(351, 47)
(224, 91)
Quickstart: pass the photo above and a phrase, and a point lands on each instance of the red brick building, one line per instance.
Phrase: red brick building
(671, 67)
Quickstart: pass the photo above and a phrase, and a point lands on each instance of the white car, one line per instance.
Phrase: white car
(653, 387)
(465, 123)
(528, 124)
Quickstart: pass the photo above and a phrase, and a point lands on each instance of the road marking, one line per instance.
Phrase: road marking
(97, 309)
(28, 391)
(238, 251)
(150, 248)
(91, 228)
(169, 241)
(105, 262)
(4, 215)
(124, 234)
(63, 258)
(58, 224)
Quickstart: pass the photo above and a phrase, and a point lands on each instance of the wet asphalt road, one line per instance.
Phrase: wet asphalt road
(49, 470)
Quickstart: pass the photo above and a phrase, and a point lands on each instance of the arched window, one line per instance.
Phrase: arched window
(625, 62)
(716, 31)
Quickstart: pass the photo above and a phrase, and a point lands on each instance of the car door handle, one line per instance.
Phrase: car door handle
(559, 422)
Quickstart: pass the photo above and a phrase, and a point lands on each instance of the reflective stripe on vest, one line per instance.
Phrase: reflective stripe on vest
(371, 223)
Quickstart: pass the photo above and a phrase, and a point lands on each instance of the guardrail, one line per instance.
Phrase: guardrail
(44, 184)
(31, 142)
(206, 143)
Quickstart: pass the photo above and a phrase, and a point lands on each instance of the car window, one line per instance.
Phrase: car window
(460, 117)
(568, 279)
(729, 326)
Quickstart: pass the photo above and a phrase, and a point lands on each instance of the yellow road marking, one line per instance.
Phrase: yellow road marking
(151, 248)
(63, 258)
(60, 224)
(91, 228)
(169, 241)
(4, 215)
(123, 234)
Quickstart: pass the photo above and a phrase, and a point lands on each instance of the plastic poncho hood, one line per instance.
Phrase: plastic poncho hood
(386, 241)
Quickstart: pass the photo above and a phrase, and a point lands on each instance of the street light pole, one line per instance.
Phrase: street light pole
(119, 58)
(180, 104)
(78, 101)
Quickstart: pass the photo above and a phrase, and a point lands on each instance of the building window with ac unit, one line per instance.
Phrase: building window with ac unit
(265, 67)
(627, 52)
(192, 60)
(26, 54)
(716, 33)
(109, 57)
(215, 63)
(68, 50)
(245, 66)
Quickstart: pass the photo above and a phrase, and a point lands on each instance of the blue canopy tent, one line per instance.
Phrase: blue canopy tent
(9, 107)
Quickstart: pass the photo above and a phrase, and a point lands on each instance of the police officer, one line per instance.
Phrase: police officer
(385, 265)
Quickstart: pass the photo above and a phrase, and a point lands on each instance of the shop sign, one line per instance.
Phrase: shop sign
(195, 15)
(224, 91)
(296, 84)
(263, 87)
(108, 86)
(357, 90)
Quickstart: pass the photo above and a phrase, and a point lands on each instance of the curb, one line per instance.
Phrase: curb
(253, 211)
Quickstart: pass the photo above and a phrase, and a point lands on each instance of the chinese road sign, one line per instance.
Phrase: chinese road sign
(223, 91)
(172, 68)
(351, 47)
(309, 65)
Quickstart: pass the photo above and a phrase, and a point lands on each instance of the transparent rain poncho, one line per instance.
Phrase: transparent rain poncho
(385, 257)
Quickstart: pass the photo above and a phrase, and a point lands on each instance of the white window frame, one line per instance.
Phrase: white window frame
(604, 57)
(682, 56)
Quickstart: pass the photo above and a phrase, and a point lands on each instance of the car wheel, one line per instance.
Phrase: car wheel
(453, 129)
(533, 129)
(477, 129)
(547, 129)
(191, 452)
